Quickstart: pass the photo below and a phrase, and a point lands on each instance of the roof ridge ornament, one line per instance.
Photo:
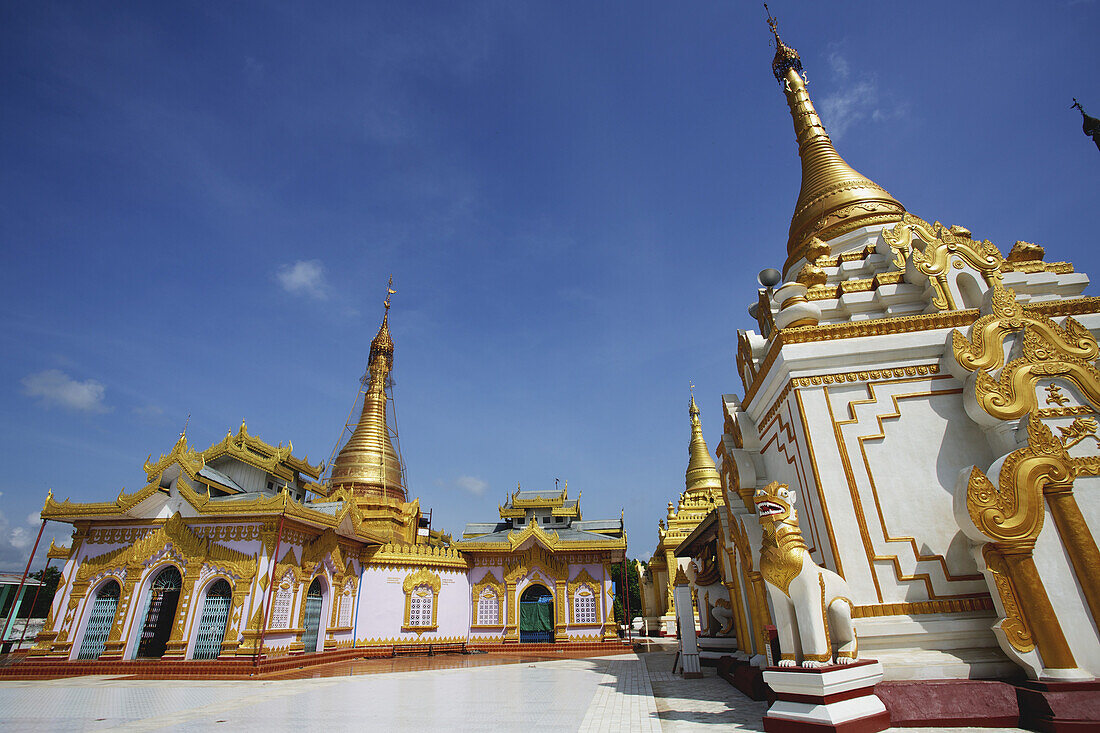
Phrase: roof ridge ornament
(785, 58)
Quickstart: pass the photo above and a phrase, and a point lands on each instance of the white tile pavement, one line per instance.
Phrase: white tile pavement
(623, 693)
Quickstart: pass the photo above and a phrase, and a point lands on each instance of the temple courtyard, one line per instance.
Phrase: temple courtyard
(635, 692)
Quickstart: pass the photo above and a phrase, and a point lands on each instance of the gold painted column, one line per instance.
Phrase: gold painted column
(231, 642)
(761, 614)
(511, 629)
(670, 570)
(1042, 621)
(561, 632)
(62, 645)
(176, 647)
(1079, 542)
(116, 642)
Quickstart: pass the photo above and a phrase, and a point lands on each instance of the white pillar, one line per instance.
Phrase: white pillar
(689, 645)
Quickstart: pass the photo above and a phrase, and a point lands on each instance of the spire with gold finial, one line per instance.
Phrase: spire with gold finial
(368, 465)
(834, 199)
(701, 474)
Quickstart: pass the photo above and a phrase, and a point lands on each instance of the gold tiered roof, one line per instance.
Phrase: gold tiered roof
(701, 474)
(834, 198)
(367, 464)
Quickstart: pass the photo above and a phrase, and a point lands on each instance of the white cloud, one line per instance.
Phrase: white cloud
(148, 411)
(474, 485)
(850, 105)
(16, 541)
(55, 388)
(857, 99)
(839, 64)
(304, 277)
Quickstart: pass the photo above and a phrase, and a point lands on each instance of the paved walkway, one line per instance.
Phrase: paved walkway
(626, 692)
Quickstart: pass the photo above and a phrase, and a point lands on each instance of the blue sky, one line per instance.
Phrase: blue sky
(200, 205)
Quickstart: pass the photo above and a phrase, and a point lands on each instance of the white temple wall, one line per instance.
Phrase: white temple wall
(381, 613)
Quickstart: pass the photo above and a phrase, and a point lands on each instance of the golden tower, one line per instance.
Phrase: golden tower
(701, 475)
(835, 198)
(367, 465)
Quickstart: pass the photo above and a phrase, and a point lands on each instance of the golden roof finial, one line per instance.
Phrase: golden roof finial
(368, 464)
(701, 474)
(183, 433)
(382, 345)
(834, 198)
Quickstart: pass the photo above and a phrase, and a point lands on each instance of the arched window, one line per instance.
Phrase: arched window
(421, 591)
(100, 621)
(488, 608)
(420, 607)
(970, 293)
(284, 596)
(347, 605)
(160, 612)
(584, 606)
(215, 615)
(312, 626)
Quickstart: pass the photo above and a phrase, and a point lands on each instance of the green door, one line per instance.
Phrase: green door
(536, 616)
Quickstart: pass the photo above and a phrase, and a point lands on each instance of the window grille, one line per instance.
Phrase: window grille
(280, 609)
(215, 615)
(420, 607)
(100, 621)
(584, 607)
(488, 610)
(312, 626)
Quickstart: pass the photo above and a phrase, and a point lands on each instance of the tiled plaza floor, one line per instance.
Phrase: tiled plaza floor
(621, 693)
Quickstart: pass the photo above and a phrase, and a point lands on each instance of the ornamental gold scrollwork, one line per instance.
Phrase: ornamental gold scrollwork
(1010, 515)
(984, 350)
(942, 245)
(1013, 512)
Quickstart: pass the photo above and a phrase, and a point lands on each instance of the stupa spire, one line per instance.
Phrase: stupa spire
(701, 474)
(367, 464)
(834, 198)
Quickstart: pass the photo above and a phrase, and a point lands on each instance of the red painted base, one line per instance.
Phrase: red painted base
(950, 703)
(1059, 706)
(745, 677)
(869, 724)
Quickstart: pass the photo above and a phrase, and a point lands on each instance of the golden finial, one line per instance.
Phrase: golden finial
(786, 58)
(183, 433)
(693, 409)
(389, 292)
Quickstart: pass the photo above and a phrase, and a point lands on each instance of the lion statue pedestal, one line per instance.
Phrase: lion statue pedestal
(812, 610)
(833, 698)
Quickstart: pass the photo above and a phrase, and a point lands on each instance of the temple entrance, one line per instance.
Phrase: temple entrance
(215, 614)
(536, 615)
(100, 621)
(160, 612)
(312, 625)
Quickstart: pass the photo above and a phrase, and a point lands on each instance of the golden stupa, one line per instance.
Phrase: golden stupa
(368, 465)
(835, 198)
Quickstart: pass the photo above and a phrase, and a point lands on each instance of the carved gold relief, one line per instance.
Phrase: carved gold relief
(1014, 625)
(943, 246)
